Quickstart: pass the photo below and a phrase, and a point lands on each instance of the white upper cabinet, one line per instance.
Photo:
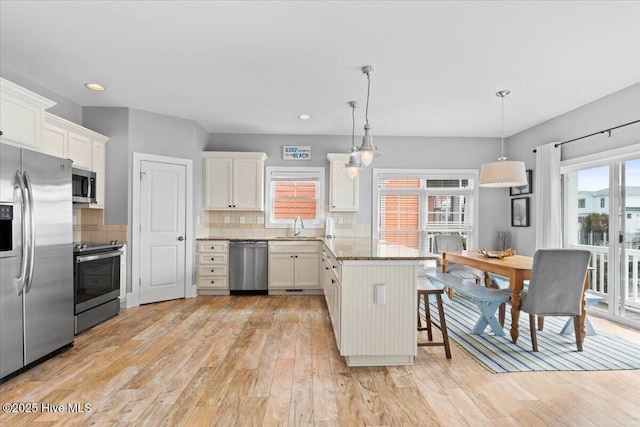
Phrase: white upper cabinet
(85, 147)
(79, 150)
(55, 141)
(98, 165)
(234, 181)
(21, 115)
(343, 191)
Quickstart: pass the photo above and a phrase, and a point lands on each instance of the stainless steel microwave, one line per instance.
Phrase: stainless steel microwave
(84, 186)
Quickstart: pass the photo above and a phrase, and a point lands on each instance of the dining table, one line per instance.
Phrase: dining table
(517, 268)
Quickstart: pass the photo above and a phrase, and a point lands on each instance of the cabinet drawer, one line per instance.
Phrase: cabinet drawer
(213, 246)
(334, 264)
(213, 282)
(294, 247)
(213, 258)
(212, 270)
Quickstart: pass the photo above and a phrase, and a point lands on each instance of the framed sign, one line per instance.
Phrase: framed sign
(296, 152)
(520, 212)
(525, 189)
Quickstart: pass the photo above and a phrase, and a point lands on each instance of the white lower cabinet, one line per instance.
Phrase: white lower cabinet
(212, 265)
(294, 267)
(332, 286)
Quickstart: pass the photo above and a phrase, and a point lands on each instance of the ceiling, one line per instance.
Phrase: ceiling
(253, 67)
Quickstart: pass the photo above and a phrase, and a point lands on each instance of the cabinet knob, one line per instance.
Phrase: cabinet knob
(213, 259)
(180, 238)
(213, 281)
(296, 256)
(213, 271)
(333, 281)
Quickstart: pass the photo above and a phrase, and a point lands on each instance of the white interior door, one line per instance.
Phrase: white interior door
(162, 231)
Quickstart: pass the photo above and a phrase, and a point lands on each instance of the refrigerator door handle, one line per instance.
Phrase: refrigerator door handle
(32, 227)
(22, 279)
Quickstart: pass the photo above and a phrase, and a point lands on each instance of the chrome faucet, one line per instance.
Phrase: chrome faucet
(296, 232)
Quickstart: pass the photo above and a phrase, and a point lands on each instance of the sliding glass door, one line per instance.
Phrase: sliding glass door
(602, 215)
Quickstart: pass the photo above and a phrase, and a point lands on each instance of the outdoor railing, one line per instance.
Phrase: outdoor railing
(598, 282)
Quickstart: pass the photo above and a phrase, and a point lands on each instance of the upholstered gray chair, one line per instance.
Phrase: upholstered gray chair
(453, 242)
(556, 287)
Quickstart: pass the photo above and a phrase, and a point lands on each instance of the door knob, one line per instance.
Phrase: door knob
(180, 238)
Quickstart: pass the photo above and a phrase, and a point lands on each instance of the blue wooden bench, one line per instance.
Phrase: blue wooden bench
(488, 300)
(590, 299)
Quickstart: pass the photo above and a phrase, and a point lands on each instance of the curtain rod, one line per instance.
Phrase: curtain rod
(595, 133)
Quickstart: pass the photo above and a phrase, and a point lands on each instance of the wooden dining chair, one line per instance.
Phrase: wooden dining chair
(556, 287)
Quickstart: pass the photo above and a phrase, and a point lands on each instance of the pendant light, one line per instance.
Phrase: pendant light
(354, 165)
(367, 150)
(503, 173)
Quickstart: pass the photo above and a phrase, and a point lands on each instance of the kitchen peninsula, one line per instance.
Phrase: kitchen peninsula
(370, 289)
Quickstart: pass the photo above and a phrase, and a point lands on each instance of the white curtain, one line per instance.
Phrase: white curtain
(548, 197)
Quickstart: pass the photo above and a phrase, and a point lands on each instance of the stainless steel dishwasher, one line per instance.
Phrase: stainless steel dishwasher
(248, 267)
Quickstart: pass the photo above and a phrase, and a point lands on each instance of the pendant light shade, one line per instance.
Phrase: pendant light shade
(354, 165)
(503, 173)
(367, 150)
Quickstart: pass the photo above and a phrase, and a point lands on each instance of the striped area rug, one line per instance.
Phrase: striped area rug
(555, 352)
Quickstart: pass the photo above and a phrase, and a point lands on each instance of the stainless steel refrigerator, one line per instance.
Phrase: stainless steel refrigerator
(36, 257)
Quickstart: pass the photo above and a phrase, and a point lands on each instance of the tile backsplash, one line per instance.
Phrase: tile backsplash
(89, 227)
(240, 224)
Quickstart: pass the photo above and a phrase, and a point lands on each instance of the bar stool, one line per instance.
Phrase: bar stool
(425, 290)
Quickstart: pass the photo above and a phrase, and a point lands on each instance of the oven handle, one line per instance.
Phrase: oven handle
(86, 258)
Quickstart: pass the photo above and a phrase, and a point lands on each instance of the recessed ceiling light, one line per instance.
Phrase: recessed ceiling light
(95, 86)
(304, 117)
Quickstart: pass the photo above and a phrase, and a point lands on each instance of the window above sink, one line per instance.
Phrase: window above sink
(292, 192)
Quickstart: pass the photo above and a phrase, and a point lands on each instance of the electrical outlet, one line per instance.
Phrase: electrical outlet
(241, 220)
(226, 219)
(339, 219)
(260, 220)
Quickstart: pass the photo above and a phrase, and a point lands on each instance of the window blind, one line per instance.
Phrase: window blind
(413, 209)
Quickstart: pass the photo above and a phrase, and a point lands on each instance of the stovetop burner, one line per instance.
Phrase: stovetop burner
(86, 247)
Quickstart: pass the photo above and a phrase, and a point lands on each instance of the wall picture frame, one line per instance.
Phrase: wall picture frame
(520, 214)
(525, 189)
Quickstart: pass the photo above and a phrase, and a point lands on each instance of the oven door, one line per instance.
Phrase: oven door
(96, 279)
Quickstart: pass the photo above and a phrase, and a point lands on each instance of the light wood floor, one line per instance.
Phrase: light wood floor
(273, 361)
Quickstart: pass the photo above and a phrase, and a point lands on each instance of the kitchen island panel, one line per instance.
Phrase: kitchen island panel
(383, 333)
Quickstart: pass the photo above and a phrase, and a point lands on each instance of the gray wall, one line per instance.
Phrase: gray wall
(114, 123)
(139, 131)
(64, 108)
(613, 110)
(398, 152)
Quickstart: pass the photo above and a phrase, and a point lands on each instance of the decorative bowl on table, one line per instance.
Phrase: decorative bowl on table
(497, 254)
